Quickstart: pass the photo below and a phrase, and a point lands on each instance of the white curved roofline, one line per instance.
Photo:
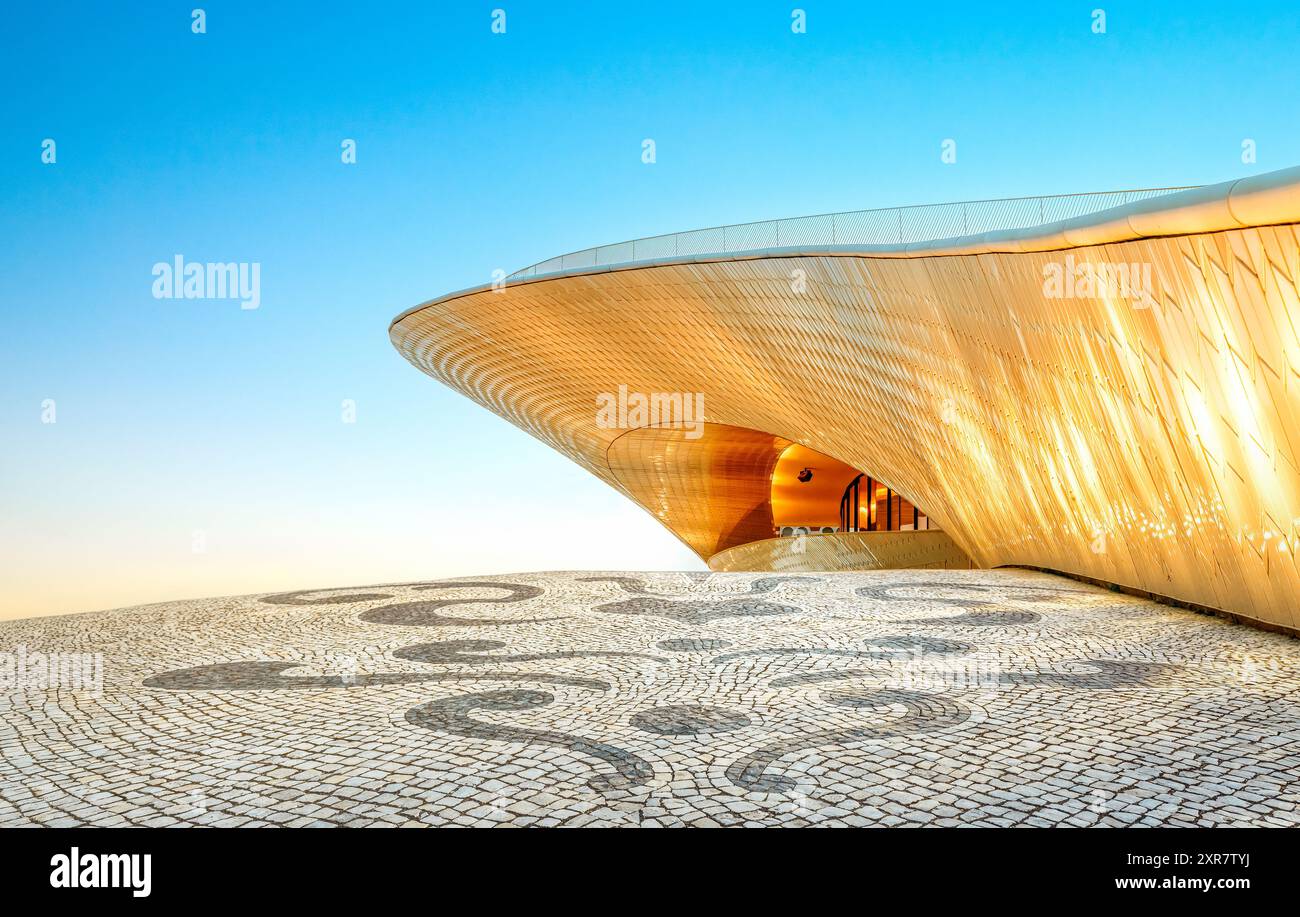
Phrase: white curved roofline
(1259, 200)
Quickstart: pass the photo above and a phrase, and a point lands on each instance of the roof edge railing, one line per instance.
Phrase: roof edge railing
(882, 226)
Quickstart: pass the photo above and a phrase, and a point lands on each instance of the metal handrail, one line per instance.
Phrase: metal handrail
(882, 226)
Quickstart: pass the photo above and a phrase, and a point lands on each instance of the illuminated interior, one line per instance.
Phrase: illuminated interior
(836, 496)
(723, 486)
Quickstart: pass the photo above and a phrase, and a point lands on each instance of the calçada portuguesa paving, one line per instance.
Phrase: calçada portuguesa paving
(912, 697)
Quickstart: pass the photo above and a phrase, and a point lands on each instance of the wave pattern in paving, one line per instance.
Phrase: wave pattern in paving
(883, 698)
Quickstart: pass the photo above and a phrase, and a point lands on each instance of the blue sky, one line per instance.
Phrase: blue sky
(476, 151)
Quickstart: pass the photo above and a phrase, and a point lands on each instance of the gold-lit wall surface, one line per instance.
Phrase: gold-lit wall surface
(719, 486)
(844, 551)
(1154, 444)
(712, 491)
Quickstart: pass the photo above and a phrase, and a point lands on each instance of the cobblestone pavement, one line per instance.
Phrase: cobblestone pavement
(899, 698)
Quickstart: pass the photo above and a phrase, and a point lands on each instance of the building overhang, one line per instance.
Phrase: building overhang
(1150, 442)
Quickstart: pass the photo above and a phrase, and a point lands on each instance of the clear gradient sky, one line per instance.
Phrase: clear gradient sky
(477, 151)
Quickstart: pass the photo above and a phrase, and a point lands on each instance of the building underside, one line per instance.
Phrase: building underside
(988, 415)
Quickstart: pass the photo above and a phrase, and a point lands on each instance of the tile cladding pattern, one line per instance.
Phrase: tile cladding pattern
(1152, 442)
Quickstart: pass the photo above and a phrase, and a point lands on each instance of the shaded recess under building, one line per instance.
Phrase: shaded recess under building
(958, 393)
(719, 487)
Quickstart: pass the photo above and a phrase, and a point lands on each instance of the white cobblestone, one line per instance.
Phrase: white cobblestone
(905, 697)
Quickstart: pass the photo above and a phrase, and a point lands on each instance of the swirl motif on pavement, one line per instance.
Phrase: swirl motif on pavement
(692, 645)
(311, 597)
(975, 616)
(1036, 593)
(470, 651)
(698, 611)
(452, 715)
(268, 676)
(925, 713)
(426, 614)
(633, 585)
(1115, 674)
(893, 647)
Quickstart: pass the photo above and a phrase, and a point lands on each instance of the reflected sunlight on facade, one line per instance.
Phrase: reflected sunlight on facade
(1141, 437)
